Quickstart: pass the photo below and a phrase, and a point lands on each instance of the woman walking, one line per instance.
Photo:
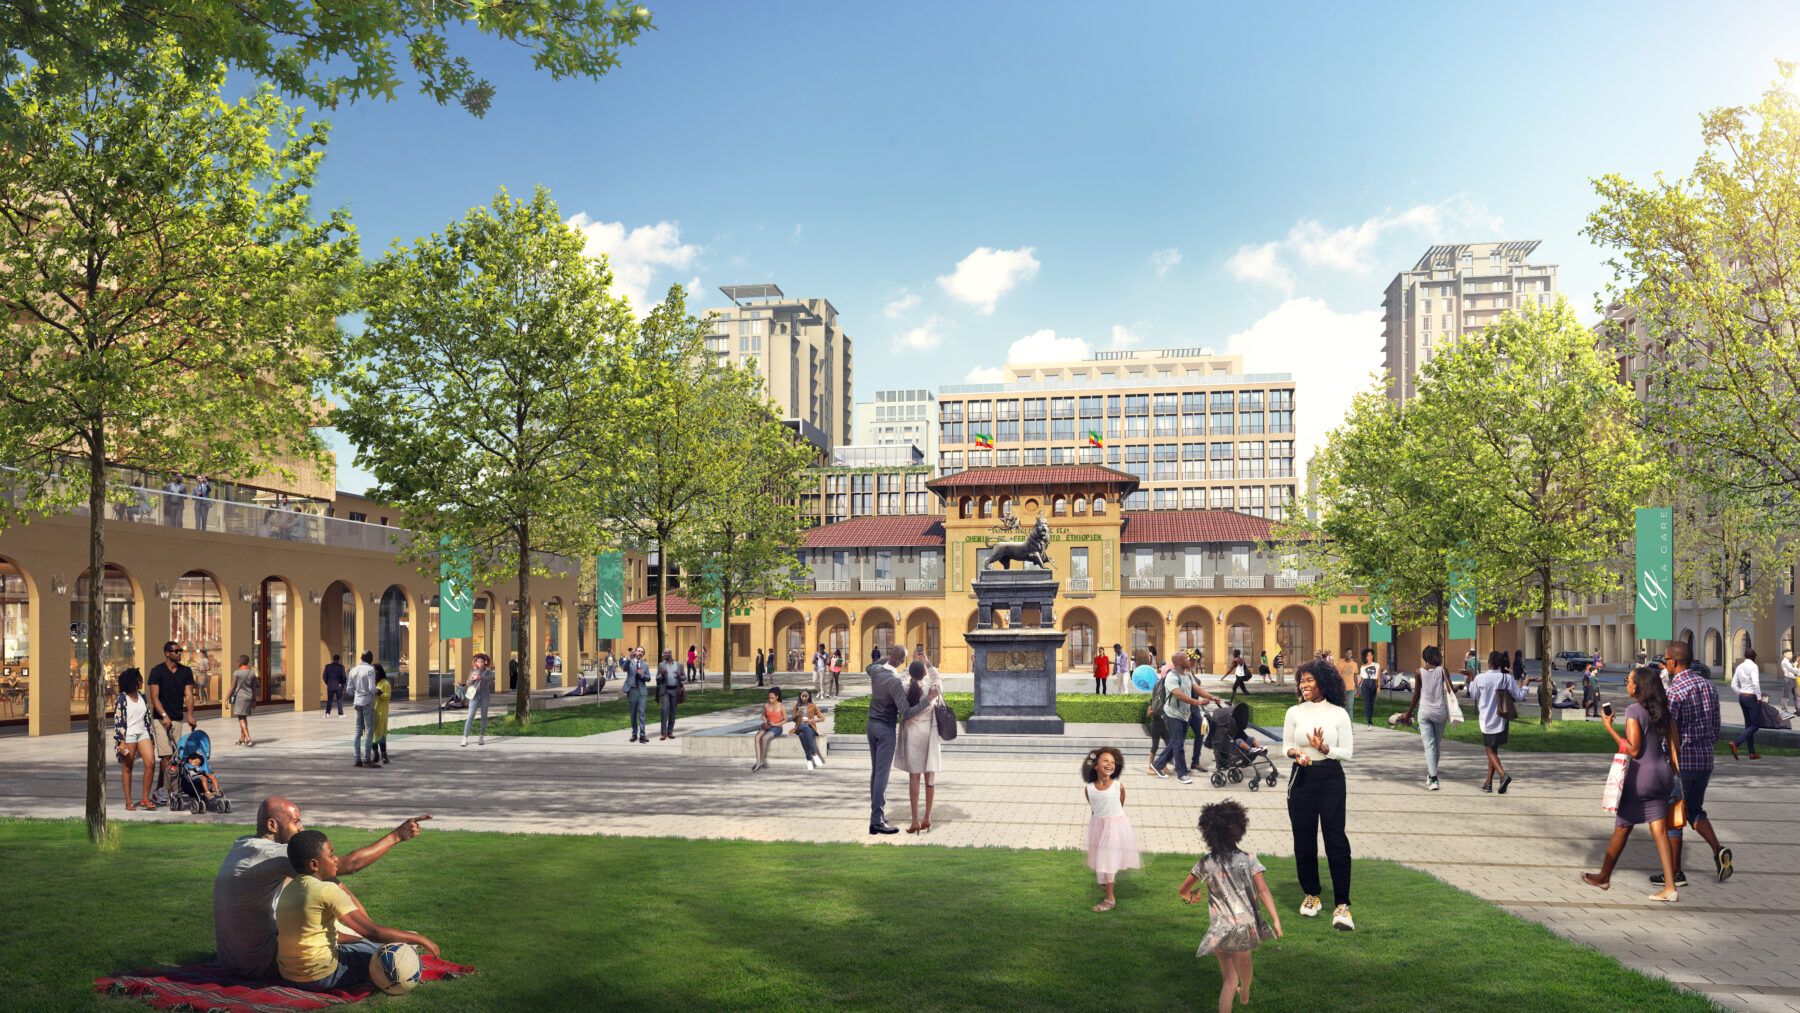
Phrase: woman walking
(773, 716)
(1487, 689)
(1317, 737)
(243, 698)
(761, 667)
(1746, 679)
(1370, 684)
(1650, 740)
(131, 736)
(384, 691)
(918, 752)
(479, 687)
(806, 725)
(1431, 704)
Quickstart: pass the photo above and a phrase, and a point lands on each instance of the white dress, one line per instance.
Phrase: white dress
(1111, 844)
(918, 751)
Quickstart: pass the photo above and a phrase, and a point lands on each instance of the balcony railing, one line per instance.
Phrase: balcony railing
(1205, 583)
(876, 584)
(1080, 584)
(1245, 582)
(826, 586)
(922, 583)
(1299, 580)
(1141, 583)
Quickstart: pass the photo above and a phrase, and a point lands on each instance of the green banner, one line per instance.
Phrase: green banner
(609, 595)
(712, 614)
(1381, 621)
(456, 595)
(1462, 601)
(1655, 574)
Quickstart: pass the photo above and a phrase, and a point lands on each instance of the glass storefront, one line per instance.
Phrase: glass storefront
(394, 646)
(270, 623)
(118, 637)
(553, 616)
(196, 612)
(15, 643)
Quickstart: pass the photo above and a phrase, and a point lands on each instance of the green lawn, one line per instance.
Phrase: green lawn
(1269, 710)
(630, 923)
(592, 718)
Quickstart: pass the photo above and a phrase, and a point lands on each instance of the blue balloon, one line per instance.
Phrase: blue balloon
(1144, 678)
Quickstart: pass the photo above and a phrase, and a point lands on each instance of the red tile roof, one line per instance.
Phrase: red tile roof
(884, 531)
(1193, 526)
(1056, 474)
(673, 604)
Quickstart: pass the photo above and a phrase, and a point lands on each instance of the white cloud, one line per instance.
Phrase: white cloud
(1331, 356)
(1261, 263)
(1124, 337)
(1165, 260)
(985, 275)
(795, 238)
(925, 337)
(637, 255)
(1349, 248)
(693, 289)
(897, 308)
(985, 374)
(1045, 346)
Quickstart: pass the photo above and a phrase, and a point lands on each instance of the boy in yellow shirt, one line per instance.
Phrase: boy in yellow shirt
(307, 915)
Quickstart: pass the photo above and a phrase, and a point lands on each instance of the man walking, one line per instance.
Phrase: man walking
(361, 686)
(171, 687)
(887, 708)
(1790, 682)
(1746, 679)
(1185, 662)
(1121, 665)
(1694, 708)
(334, 685)
(1177, 711)
(819, 661)
(668, 691)
(637, 693)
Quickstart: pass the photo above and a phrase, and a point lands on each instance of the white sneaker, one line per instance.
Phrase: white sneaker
(1340, 918)
(809, 763)
(162, 796)
(481, 741)
(1431, 784)
(1310, 906)
(465, 740)
(819, 759)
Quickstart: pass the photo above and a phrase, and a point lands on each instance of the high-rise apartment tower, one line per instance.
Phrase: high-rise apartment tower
(1453, 290)
(802, 352)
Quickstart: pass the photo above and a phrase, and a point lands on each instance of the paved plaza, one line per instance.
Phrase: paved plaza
(1523, 851)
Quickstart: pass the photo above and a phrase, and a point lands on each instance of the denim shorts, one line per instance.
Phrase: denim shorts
(1693, 791)
(352, 969)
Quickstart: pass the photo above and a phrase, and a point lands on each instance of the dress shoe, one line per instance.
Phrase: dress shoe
(883, 828)
(1733, 746)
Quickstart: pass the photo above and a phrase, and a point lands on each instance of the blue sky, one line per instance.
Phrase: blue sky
(969, 183)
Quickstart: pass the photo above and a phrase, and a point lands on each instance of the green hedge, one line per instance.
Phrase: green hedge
(1084, 708)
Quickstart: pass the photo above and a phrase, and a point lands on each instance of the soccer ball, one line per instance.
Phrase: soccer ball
(395, 968)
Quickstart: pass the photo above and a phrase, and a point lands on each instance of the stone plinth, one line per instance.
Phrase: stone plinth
(1015, 668)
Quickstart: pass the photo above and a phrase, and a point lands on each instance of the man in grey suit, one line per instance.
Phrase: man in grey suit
(887, 708)
(637, 682)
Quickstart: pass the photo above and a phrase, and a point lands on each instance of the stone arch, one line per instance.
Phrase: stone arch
(274, 636)
(555, 642)
(122, 611)
(1099, 506)
(1005, 506)
(1741, 644)
(787, 640)
(985, 506)
(198, 618)
(875, 628)
(1078, 506)
(1144, 636)
(1294, 627)
(1193, 632)
(1714, 652)
(834, 633)
(923, 627)
(340, 626)
(394, 633)
(1243, 632)
(1083, 628)
(21, 623)
(965, 507)
(1059, 507)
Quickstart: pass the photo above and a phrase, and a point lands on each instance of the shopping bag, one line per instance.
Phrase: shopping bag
(1615, 782)
(1456, 714)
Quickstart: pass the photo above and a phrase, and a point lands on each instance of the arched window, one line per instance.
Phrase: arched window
(1080, 506)
(1006, 506)
(1059, 507)
(1099, 506)
(987, 507)
(967, 508)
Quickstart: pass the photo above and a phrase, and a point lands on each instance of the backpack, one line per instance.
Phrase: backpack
(1159, 696)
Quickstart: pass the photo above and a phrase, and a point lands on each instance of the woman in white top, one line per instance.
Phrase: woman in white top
(131, 735)
(1316, 735)
(1431, 704)
(1370, 684)
(1746, 681)
(918, 751)
(1486, 689)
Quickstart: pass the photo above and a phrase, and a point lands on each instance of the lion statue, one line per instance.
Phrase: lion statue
(1034, 549)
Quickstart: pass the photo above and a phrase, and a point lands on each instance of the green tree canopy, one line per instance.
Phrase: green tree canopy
(493, 358)
(166, 300)
(324, 50)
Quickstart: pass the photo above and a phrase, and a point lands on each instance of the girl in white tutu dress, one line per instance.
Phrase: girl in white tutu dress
(1111, 844)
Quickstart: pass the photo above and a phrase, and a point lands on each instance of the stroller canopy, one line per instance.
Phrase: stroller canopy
(195, 743)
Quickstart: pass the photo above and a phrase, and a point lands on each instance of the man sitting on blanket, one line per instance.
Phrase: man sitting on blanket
(307, 915)
(251, 878)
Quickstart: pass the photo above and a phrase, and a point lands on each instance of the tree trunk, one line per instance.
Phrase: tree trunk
(1545, 696)
(662, 608)
(522, 629)
(96, 757)
(725, 638)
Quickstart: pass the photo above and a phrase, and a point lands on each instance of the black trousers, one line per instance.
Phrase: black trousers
(1316, 803)
(1100, 685)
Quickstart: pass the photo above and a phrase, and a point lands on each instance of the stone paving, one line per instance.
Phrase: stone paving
(1524, 851)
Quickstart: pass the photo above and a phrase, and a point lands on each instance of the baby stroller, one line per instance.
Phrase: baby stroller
(192, 767)
(1231, 760)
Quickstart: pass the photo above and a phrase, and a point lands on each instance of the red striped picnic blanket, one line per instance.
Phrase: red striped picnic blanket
(207, 987)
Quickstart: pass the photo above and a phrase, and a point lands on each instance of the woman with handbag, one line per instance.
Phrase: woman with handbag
(1652, 762)
(1432, 701)
(918, 752)
(1496, 695)
(243, 698)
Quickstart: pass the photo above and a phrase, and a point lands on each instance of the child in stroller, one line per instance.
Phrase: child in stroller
(197, 785)
(1235, 751)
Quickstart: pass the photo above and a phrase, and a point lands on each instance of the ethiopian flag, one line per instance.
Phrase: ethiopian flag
(984, 440)
(1094, 439)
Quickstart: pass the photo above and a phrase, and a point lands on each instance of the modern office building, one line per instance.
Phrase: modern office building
(899, 417)
(859, 481)
(1195, 430)
(801, 350)
(1456, 289)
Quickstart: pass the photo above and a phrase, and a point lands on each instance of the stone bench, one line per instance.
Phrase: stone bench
(739, 739)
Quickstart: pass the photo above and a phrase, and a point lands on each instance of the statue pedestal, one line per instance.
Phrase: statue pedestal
(1015, 668)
